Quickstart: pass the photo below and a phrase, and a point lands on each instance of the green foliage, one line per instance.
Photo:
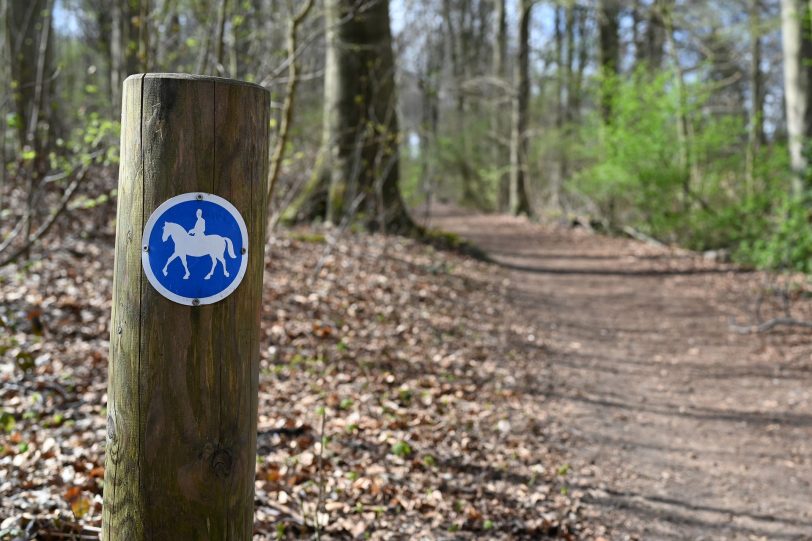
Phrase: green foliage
(788, 243)
(7, 421)
(636, 173)
(458, 165)
(401, 449)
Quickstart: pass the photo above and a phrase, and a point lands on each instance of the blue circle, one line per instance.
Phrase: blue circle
(218, 221)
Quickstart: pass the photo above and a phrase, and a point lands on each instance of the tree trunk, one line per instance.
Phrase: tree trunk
(29, 30)
(569, 32)
(219, 57)
(755, 133)
(135, 35)
(361, 124)
(560, 113)
(653, 50)
(457, 48)
(583, 46)
(519, 203)
(610, 53)
(797, 49)
(684, 130)
(28, 24)
(497, 121)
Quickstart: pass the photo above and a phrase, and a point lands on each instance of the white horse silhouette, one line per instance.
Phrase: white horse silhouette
(213, 246)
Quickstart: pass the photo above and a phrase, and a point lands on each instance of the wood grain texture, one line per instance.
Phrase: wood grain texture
(192, 429)
(123, 498)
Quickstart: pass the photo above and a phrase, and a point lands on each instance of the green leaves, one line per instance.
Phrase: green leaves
(7, 421)
(401, 449)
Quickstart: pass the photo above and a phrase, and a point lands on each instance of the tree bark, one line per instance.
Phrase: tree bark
(519, 202)
(219, 56)
(653, 50)
(296, 19)
(684, 129)
(498, 126)
(28, 24)
(560, 110)
(608, 21)
(755, 132)
(117, 60)
(361, 124)
(797, 48)
(457, 48)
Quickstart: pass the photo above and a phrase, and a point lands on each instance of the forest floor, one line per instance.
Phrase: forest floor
(410, 364)
(680, 427)
(582, 387)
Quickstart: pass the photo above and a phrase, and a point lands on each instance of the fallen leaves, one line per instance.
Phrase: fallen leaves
(414, 360)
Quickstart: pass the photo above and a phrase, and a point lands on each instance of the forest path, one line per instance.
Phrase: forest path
(681, 429)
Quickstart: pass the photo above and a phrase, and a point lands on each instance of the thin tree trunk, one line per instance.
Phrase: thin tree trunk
(143, 36)
(290, 97)
(560, 113)
(755, 134)
(652, 52)
(219, 68)
(117, 62)
(569, 31)
(456, 50)
(608, 23)
(497, 120)
(797, 49)
(519, 202)
(582, 57)
(361, 125)
(684, 130)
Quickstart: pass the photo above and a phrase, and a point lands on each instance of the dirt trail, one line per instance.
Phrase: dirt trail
(686, 430)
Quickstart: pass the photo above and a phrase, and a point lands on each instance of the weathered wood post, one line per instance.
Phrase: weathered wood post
(182, 397)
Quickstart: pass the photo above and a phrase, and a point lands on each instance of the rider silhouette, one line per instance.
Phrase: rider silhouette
(200, 225)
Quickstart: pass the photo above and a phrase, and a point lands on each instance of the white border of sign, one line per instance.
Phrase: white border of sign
(153, 218)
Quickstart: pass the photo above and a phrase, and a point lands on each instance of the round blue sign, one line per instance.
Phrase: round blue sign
(195, 248)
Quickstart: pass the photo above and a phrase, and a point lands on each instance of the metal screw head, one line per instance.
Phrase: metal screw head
(199, 196)
(244, 250)
(146, 248)
(195, 302)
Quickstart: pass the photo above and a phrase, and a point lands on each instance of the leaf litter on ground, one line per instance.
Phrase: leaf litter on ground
(414, 360)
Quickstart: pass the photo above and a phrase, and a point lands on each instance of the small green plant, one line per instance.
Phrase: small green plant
(7, 421)
(401, 449)
(345, 404)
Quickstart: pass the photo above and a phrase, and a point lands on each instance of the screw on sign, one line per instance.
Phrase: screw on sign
(195, 248)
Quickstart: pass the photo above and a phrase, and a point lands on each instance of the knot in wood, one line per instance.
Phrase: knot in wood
(221, 463)
(111, 427)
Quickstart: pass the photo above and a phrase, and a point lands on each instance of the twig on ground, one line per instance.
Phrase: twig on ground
(46, 226)
(639, 235)
(320, 499)
(769, 325)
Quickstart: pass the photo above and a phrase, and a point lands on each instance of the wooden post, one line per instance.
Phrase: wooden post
(182, 397)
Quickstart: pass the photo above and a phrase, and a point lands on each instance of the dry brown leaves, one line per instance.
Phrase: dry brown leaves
(422, 374)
